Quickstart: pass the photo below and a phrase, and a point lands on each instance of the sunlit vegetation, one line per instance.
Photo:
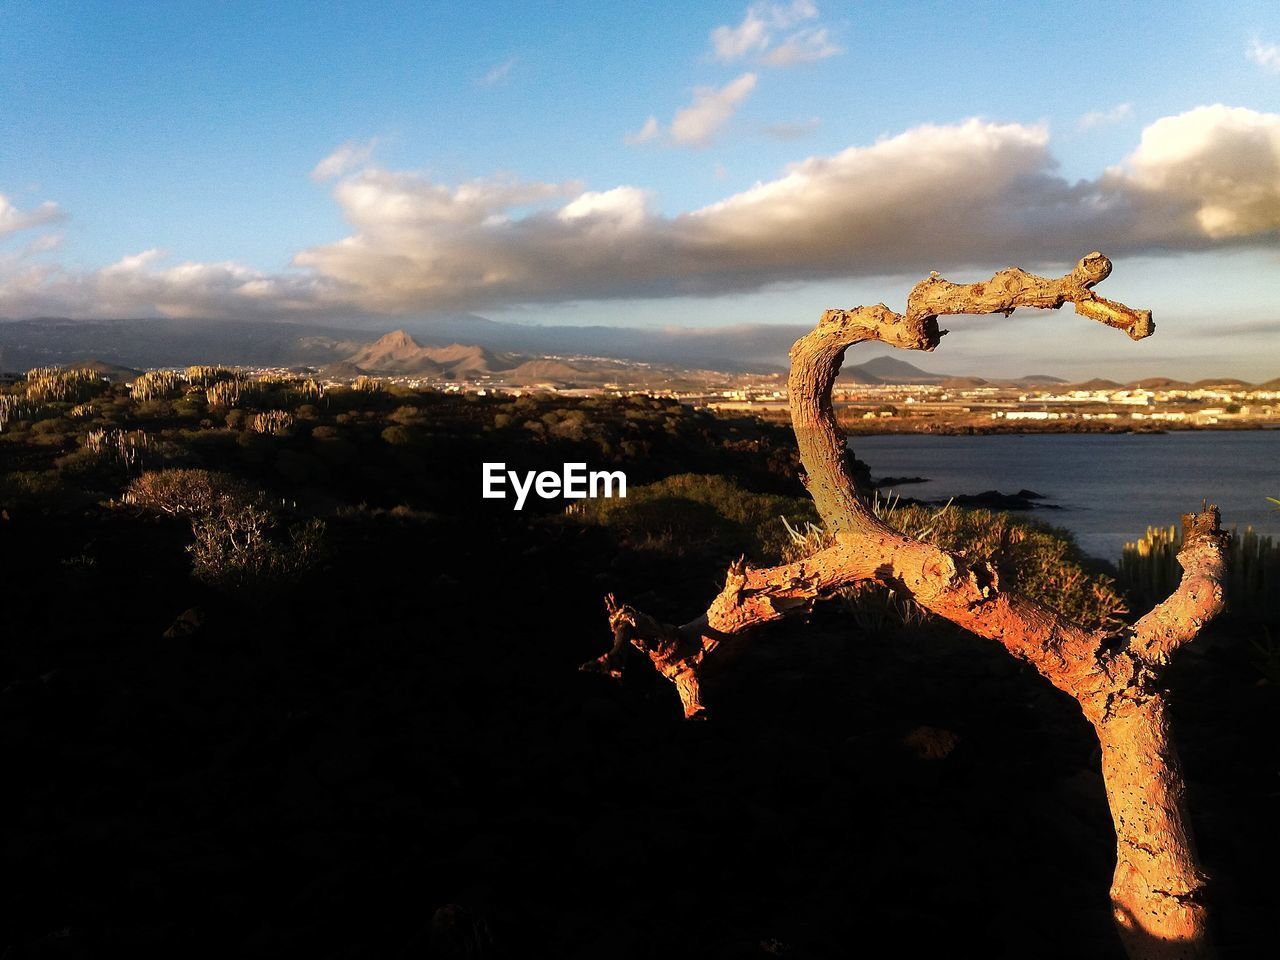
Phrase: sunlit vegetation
(158, 384)
(63, 384)
(1033, 557)
(208, 441)
(254, 466)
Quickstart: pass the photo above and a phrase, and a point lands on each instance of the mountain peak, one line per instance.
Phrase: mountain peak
(396, 340)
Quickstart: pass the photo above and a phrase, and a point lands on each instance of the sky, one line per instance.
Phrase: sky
(656, 164)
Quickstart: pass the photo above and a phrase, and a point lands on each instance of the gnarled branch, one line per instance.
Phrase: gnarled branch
(1157, 890)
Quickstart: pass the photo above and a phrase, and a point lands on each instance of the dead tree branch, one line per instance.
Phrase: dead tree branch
(1157, 890)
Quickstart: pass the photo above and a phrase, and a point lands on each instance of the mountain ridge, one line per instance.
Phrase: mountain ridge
(460, 345)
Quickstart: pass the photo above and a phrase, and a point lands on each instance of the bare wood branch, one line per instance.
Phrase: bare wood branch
(1201, 594)
(1158, 884)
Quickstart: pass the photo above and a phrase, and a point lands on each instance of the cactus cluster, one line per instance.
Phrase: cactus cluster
(1150, 571)
(16, 408)
(205, 376)
(157, 385)
(226, 394)
(121, 446)
(271, 421)
(62, 384)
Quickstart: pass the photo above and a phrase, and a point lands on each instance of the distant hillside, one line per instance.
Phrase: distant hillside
(891, 370)
(1219, 382)
(1097, 384)
(463, 346)
(110, 371)
(398, 353)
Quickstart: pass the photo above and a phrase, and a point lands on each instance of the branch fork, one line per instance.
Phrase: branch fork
(1158, 886)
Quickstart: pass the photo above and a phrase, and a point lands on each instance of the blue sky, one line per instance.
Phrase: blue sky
(162, 159)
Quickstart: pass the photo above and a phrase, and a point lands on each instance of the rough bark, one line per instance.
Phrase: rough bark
(1158, 887)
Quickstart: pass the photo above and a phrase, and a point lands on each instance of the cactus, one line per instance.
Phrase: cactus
(17, 408)
(1149, 570)
(119, 446)
(271, 421)
(60, 384)
(206, 376)
(157, 385)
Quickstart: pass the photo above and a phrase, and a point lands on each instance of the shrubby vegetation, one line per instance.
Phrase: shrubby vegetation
(256, 465)
(250, 462)
(688, 511)
(324, 711)
(1032, 557)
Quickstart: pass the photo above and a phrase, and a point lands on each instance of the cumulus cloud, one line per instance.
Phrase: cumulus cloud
(969, 195)
(1105, 118)
(711, 109)
(13, 220)
(1212, 172)
(945, 197)
(1265, 55)
(349, 156)
(768, 31)
(139, 283)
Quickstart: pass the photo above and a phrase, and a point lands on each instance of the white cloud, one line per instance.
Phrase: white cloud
(974, 195)
(1265, 55)
(733, 43)
(768, 32)
(803, 46)
(711, 109)
(1105, 118)
(621, 207)
(139, 284)
(1212, 172)
(347, 157)
(13, 220)
(498, 74)
(650, 131)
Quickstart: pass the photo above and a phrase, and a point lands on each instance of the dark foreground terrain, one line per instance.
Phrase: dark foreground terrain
(394, 755)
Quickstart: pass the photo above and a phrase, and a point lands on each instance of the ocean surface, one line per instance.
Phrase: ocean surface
(1108, 487)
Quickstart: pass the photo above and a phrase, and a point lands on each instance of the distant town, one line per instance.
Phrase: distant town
(883, 394)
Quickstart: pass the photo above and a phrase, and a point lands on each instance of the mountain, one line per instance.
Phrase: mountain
(399, 353)
(890, 370)
(1219, 382)
(1160, 383)
(147, 343)
(108, 371)
(459, 345)
(1097, 383)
